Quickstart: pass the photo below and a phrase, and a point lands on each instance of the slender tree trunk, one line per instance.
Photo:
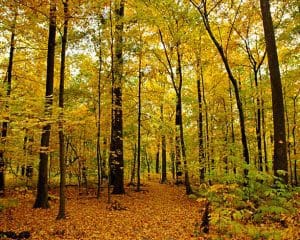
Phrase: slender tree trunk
(204, 14)
(62, 162)
(232, 134)
(207, 138)
(188, 187)
(116, 149)
(157, 159)
(179, 122)
(163, 150)
(264, 136)
(294, 138)
(258, 122)
(133, 169)
(138, 186)
(98, 150)
(172, 157)
(280, 162)
(8, 91)
(201, 154)
(288, 132)
(42, 186)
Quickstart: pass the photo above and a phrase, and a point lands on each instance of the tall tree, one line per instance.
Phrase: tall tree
(62, 162)
(42, 185)
(98, 148)
(280, 151)
(177, 82)
(204, 12)
(201, 153)
(140, 76)
(8, 81)
(163, 149)
(116, 149)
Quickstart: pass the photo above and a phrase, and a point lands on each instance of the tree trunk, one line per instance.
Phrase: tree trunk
(179, 121)
(188, 187)
(264, 137)
(116, 149)
(133, 169)
(138, 186)
(204, 14)
(294, 137)
(8, 91)
(201, 154)
(280, 153)
(157, 159)
(42, 186)
(258, 122)
(172, 157)
(98, 147)
(232, 134)
(163, 150)
(62, 161)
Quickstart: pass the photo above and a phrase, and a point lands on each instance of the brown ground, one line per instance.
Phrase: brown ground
(160, 212)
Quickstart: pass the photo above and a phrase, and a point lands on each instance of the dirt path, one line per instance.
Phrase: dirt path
(160, 212)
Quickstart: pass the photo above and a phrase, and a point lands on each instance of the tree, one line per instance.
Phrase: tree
(42, 185)
(116, 149)
(280, 151)
(163, 150)
(62, 161)
(204, 12)
(8, 81)
(140, 78)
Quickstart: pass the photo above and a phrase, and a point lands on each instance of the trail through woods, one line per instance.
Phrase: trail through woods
(158, 212)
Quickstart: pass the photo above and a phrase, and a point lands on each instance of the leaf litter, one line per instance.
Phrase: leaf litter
(162, 211)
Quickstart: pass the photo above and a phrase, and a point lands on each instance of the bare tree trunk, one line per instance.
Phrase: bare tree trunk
(163, 150)
(157, 159)
(116, 149)
(172, 157)
(133, 168)
(62, 161)
(42, 186)
(179, 121)
(264, 136)
(294, 137)
(8, 91)
(280, 162)
(201, 154)
(98, 148)
(138, 186)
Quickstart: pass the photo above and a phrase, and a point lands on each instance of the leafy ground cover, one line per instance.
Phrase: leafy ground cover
(160, 211)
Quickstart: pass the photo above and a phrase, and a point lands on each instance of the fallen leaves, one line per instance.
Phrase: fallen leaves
(161, 212)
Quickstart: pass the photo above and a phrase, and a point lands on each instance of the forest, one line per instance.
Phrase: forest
(149, 119)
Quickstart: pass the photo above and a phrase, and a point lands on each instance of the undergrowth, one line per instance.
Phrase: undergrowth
(261, 209)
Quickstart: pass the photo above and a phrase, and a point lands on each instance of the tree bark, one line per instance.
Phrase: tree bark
(280, 162)
(163, 150)
(116, 149)
(42, 186)
(8, 91)
(98, 147)
(157, 159)
(138, 186)
(62, 161)
(294, 137)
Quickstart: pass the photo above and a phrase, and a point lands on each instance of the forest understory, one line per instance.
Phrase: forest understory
(159, 211)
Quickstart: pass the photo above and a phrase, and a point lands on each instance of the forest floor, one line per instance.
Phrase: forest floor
(158, 212)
